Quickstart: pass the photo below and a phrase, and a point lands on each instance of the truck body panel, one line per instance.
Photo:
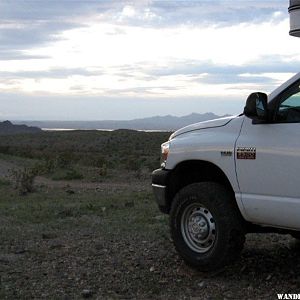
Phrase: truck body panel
(215, 145)
(270, 184)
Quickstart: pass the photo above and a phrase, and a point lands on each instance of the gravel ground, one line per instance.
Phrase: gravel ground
(5, 167)
(83, 263)
(74, 241)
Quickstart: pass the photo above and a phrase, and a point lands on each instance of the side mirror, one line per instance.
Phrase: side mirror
(257, 106)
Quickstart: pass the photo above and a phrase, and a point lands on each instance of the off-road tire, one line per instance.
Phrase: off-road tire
(229, 236)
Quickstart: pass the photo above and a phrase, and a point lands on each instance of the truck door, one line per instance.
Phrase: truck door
(268, 165)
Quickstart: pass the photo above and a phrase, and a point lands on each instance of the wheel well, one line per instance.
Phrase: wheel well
(192, 171)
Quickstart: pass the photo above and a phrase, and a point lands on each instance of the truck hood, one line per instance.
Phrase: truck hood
(203, 125)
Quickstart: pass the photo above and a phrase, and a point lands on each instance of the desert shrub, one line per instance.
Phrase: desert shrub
(64, 159)
(4, 149)
(73, 174)
(99, 161)
(102, 171)
(119, 149)
(101, 164)
(70, 174)
(49, 165)
(152, 163)
(4, 182)
(23, 179)
(44, 167)
(25, 152)
(132, 164)
(143, 173)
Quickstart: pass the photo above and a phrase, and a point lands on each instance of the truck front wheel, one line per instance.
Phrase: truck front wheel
(206, 226)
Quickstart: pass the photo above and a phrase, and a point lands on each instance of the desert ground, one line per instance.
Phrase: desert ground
(78, 220)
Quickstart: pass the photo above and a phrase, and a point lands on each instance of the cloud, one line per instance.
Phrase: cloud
(236, 79)
(52, 73)
(264, 64)
(18, 55)
(18, 38)
(186, 77)
(26, 24)
(141, 50)
(31, 23)
(193, 12)
(36, 10)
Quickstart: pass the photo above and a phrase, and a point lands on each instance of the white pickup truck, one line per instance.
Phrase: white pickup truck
(223, 178)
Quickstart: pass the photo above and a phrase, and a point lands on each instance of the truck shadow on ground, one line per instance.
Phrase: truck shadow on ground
(268, 262)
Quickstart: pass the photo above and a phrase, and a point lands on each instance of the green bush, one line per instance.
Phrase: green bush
(121, 149)
(70, 174)
(65, 159)
(4, 149)
(73, 174)
(45, 166)
(4, 182)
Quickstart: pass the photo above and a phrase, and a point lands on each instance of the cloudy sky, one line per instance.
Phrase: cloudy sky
(97, 59)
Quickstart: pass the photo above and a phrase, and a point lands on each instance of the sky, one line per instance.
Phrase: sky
(100, 60)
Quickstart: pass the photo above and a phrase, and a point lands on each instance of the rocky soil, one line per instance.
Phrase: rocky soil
(97, 241)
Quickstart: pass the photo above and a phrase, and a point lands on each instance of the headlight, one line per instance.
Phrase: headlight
(165, 147)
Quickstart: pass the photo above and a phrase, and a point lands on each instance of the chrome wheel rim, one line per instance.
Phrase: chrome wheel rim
(198, 228)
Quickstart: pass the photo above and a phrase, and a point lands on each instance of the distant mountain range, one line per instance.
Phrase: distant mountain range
(165, 123)
(7, 128)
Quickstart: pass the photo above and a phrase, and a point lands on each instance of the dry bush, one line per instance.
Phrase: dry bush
(23, 179)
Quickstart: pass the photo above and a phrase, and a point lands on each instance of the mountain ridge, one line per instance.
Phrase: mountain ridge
(164, 123)
(7, 128)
